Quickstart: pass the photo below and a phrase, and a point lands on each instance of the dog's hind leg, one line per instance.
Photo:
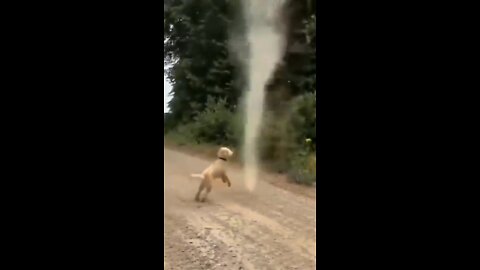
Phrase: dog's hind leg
(200, 188)
(209, 188)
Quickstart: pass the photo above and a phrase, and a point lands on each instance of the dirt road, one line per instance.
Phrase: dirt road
(270, 228)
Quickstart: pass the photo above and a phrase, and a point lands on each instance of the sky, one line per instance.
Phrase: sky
(166, 94)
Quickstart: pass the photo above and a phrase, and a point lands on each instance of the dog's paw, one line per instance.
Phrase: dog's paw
(229, 185)
(204, 200)
(197, 199)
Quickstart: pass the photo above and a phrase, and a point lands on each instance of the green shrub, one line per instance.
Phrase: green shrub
(303, 165)
(235, 129)
(213, 125)
(304, 118)
(183, 134)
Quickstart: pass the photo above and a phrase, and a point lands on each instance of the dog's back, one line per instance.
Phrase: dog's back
(215, 170)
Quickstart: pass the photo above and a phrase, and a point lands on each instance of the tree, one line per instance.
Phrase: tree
(198, 38)
(196, 47)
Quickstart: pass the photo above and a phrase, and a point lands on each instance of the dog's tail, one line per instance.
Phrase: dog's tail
(196, 175)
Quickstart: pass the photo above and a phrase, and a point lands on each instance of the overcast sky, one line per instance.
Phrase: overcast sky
(166, 93)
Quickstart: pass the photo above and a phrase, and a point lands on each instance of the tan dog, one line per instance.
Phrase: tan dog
(215, 170)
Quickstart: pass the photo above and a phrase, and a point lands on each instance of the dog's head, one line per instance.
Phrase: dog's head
(224, 153)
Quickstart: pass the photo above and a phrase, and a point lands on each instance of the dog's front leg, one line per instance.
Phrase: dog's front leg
(225, 179)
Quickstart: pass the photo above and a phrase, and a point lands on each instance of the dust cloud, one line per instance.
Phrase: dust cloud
(266, 46)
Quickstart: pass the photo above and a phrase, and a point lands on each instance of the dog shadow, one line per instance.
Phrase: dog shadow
(206, 202)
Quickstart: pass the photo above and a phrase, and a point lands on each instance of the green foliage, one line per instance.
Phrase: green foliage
(302, 168)
(204, 49)
(182, 135)
(168, 122)
(310, 31)
(303, 122)
(301, 71)
(196, 48)
(283, 138)
(304, 117)
(213, 125)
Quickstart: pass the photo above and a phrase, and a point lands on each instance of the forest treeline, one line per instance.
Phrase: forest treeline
(208, 82)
